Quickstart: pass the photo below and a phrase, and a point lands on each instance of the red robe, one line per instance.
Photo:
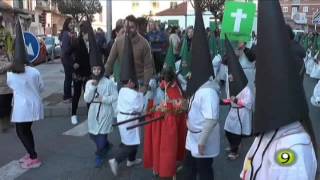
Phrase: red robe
(164, 140)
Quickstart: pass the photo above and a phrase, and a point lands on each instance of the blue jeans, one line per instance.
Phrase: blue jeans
(101, 141)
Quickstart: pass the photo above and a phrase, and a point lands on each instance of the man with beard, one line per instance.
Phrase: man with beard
(143, 61)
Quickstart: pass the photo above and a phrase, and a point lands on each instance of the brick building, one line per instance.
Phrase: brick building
(299, 13)
(30, 12)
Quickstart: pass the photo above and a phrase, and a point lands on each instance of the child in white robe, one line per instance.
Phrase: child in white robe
(130, 105)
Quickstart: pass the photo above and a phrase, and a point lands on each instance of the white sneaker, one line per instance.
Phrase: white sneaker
(114, 166)
(74, 120)
(135, 162)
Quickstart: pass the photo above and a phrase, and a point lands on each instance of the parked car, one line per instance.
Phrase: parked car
(53, 47)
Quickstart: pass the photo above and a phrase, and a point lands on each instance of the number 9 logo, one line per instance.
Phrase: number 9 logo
(286, 157)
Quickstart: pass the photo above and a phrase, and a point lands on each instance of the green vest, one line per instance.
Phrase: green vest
(6, 40)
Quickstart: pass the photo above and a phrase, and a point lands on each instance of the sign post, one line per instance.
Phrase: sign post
(238, 20)
(32, 45)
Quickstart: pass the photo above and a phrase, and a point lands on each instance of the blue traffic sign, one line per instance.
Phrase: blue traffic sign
(32, 45)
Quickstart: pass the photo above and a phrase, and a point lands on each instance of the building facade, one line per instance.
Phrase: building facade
(299, 13)
(123, 8)
(31, 13)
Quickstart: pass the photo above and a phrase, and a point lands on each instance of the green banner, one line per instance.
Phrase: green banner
(173, 23)
(238, 20)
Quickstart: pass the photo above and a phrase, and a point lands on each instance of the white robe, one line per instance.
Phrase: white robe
(315, 99)
(129, 101)
(315, 73)
(183, 82)
(205, 105)
(177, 65)
(216, 63)
(232, 123)
(293, 137)
(27, 101)
(159, 97)
(108, 90)
(249, 70)
(309, 63)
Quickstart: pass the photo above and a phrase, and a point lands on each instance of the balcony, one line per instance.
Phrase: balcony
(43, 5)
(296, 2)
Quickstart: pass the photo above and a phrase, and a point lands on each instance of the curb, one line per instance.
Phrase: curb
(63, 111)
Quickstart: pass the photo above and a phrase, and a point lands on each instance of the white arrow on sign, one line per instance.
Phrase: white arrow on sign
(30, 50)
(239, 15)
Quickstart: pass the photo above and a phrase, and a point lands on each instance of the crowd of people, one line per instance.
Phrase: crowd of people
(172, 84)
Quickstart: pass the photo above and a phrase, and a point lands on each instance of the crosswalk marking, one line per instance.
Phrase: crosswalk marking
(11, 171)
(79, 130)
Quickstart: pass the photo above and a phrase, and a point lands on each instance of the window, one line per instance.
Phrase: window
(155, 5)
(135, 6)
(294, 9)
(173, 4)
(295, 1)
(285, 9)
(305, 9)
(18, 4)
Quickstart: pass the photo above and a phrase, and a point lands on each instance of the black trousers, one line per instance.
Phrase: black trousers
(197, 167)
(158, 61)
(78, 86)
(25, 135)
(126, 152)
(68, 69)
(5, 105)
(234, 140)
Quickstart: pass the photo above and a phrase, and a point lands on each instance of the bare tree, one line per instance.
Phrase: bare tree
(79, 9)
(216, 7)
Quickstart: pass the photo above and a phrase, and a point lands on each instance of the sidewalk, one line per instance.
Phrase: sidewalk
(53, 77)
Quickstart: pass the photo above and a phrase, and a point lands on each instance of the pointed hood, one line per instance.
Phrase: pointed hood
(185, 58)
(201, 65)
(170, 59)
(94, 52)
(280, 98)
(239, 79)
(20, 52)
(128, 71)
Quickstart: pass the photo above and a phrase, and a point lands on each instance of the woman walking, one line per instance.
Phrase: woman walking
(26, 84)
(66, 57)
(81, 68)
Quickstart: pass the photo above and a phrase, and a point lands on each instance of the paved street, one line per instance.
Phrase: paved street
(67, 157)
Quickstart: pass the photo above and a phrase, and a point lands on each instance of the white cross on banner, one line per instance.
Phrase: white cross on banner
(239, 15)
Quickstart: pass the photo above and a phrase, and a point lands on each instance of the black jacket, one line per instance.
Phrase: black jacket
(82, 58)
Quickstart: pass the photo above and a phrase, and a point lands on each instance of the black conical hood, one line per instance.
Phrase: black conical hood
(201, 65)
(280, 98)
(94, 51)
(240, 80)
(20, 52)
(128, 71)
